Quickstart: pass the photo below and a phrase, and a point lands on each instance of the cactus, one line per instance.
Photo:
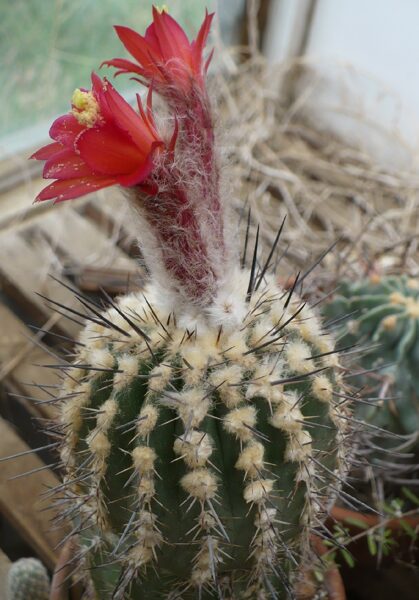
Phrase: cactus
(385, 320)
(199, 455)
(28, 580)
(203, 432)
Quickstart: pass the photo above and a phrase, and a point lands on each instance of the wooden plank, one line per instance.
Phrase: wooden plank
(113, 281)
(19, 358)
(24, 270)
(20, 500)
(5, 565)
(117, 211)
(17, 207)
(17, 204)
(112, 225)
(82, 242)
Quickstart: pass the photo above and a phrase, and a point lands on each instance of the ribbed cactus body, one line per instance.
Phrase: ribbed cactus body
(384, 318)
(199, 456)
(28, 580)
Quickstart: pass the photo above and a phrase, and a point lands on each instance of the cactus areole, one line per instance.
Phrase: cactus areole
(203, 432)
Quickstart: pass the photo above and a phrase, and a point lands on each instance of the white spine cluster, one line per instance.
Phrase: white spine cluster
(147, 532)
(195, 447)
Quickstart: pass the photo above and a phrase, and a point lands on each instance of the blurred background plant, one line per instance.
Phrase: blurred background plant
(383, 322)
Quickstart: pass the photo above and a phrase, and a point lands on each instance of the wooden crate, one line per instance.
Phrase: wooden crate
(86, 245)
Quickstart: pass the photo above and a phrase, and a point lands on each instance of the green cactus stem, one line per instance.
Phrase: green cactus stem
(199, 457)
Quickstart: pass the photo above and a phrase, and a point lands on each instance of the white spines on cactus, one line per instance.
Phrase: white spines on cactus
(177, 413)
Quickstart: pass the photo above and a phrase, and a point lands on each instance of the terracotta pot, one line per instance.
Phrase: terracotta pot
(359, 547)
(341, 514)
(61, 588)
(333, 583)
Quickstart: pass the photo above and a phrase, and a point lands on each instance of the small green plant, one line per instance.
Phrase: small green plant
(28, 580)
(338, 544)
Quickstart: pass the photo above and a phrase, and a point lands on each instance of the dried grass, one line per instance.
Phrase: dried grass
(281, 163)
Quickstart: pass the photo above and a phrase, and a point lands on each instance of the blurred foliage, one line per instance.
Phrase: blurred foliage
(49, 47)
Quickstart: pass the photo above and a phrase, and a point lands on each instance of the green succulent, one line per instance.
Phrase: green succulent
(28, 580)
(198, 459)
(384, 322)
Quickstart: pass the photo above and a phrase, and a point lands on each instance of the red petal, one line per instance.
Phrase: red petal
(172, 39)
(153, 42)
(140, 108)
(98, 87)
(126, 118)
(173, 139)
(67, 189)
(109, 151)
(66, 165)
(209, 59)
(97, 84)
(137, 46)
(147, 117)
(65, 130)
(124, 66)
(139, 175)
(150, 102)
(47, 151)
(201, 38)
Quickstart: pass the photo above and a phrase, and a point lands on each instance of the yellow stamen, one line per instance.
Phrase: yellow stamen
(164, 8)
(85, 108)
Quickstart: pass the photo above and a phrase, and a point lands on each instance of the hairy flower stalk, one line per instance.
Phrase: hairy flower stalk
(174, 67)
(204, 429)
(174, 185)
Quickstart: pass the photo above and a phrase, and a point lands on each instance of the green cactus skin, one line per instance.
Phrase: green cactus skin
(385, 316)
(200, 457)
(28, 580)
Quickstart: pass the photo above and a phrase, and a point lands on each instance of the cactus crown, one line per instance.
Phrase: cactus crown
(385, 318)
(203, 432)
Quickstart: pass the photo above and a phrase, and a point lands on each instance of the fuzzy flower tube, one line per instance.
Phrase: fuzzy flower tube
(203, 423)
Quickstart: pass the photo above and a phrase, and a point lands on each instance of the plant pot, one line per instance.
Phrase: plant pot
(61, 588)
(332, 582)
(359, 547)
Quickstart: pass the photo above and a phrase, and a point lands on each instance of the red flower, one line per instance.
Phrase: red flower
(102, 142)
(164, 55)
